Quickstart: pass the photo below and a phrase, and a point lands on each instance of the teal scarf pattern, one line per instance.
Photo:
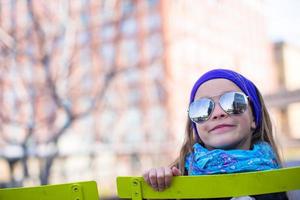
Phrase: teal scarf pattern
(203, 161)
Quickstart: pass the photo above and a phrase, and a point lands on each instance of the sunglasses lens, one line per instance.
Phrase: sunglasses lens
(200, 110)
(234, 102)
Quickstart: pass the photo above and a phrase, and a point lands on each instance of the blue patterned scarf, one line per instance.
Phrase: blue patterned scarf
(203, 161)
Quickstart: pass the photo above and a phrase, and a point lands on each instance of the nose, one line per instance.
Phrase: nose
(218, 112)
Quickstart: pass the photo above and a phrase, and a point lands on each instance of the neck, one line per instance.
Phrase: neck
(244, 144)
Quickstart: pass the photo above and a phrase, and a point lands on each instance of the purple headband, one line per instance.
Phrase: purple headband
(243, 83)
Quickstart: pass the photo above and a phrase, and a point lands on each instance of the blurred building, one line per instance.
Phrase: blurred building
(163, 47)
(285, 102)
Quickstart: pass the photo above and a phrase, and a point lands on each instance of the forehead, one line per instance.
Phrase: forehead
(216, 87)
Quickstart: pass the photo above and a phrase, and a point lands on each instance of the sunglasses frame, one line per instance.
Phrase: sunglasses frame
(246, 98)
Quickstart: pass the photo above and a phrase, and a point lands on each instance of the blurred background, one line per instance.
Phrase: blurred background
(94, 89)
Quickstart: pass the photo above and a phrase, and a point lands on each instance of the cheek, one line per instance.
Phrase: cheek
(202, 129)
(250, 118)
(246, 122)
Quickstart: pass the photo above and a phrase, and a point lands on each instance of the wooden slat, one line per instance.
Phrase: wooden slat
(214, 186)
(70, 191)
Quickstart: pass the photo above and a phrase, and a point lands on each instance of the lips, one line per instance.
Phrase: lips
(222, 126)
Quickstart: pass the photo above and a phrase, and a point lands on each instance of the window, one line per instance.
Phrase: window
(152, 3)
(156, 117)
(153, 22)
(129, 26)
(108, 54)
(129, 53)
(127, 7)
(154, 46)
(108, 32)
(132, 125)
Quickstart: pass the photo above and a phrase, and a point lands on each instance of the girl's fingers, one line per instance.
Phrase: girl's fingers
(153, 179)
(161, 178)
(146, 177)
(168, 176)
(176, 171)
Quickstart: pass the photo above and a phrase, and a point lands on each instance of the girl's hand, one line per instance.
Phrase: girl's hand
(160, 178)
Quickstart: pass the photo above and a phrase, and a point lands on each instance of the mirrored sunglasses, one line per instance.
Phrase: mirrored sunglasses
(233, 103)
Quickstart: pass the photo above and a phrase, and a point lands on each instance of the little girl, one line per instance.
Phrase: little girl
(228, 131)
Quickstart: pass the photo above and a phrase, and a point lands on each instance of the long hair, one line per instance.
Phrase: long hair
(264, 132)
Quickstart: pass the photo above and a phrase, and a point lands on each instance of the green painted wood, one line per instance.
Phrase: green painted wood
(136, 189)
(70, 191)
(214, 186)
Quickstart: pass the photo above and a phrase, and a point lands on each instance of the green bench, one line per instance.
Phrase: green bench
(71, 191)
(214, 186)
(183, 187)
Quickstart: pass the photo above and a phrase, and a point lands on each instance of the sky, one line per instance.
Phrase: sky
(284, 20)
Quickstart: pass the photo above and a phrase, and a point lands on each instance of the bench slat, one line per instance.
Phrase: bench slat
(71, 191)
(214, 186)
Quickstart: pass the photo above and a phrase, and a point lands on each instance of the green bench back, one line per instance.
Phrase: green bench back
(71, 191)
(214, 186)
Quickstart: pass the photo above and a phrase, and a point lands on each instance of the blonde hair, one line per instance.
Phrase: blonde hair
(263, 133)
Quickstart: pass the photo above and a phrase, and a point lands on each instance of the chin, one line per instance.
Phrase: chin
(226, 144)
(224, 147)
(230, 145)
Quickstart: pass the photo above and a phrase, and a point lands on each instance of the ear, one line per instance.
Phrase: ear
(253, 125)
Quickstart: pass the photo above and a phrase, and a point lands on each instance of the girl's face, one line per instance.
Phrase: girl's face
(221, 130)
